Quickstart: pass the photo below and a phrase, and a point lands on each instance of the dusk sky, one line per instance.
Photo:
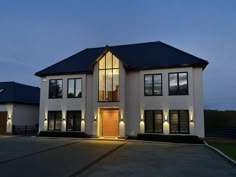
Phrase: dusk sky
(35, 34)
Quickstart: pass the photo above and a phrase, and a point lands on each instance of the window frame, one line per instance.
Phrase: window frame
(153, 120)
(56, 92)
(74, 87)
(153, 84)
(179, 131)
(54, 120)
(178, 90)
(74, 111)
(111, 69)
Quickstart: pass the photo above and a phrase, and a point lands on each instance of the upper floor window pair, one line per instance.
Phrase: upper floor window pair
(74, 89)
(177, 82)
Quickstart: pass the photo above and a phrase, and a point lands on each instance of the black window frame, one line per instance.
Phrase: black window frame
(73, 111)
(105, 69)
(54, 119)
(153, 94)
(179, 131)
(153, 120)
(56, 93)
(74, 87)
(178, 92)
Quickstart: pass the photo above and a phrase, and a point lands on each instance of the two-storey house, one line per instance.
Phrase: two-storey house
(116, 91)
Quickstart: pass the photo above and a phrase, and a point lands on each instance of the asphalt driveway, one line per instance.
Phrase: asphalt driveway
(36, 156)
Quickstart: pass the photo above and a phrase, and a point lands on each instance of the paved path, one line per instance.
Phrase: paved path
(63, 157)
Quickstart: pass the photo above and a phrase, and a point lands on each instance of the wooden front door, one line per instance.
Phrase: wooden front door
(110, 122)
(3, 122)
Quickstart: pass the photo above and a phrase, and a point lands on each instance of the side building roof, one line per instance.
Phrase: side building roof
(139, 56)
(12, 92)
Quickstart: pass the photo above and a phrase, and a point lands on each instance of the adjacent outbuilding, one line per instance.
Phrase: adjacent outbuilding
(19, 106)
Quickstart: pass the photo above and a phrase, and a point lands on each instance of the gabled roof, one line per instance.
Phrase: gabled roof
(12, 92)
(134, 56)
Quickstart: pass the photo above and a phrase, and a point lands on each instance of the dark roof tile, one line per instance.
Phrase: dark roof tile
(134, 56)
(13, 92)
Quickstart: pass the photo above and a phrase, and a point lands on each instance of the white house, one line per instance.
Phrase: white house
(118, 91)
(19, 105)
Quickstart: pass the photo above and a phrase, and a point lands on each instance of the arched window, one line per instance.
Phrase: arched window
(108, 68)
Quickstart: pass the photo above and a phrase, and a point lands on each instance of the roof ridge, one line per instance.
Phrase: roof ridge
(121, 45)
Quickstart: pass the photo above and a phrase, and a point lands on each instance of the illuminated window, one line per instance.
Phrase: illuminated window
(54, 120)
(179, 122)
(74, 89)
(153, 121)
(152, 84)
(178, 83)
(108, 78)
(55, 88)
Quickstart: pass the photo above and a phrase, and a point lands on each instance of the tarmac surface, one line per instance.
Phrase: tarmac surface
(64, 157)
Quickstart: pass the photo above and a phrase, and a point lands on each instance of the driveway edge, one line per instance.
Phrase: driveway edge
(233, 162)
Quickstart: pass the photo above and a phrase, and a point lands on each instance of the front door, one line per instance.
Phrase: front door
(110, 122)
(3, 122)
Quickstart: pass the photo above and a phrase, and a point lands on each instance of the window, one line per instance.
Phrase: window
(179, 122)
(153, 122)
(74, 89)
(54, 120)
(178, 83)
(152, 84)
(73, 121)
(55, 88)
(108, 78)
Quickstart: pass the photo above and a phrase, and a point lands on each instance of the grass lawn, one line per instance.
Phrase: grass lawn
(228, 148)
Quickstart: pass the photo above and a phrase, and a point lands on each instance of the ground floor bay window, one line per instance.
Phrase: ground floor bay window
(73, 122)
(153, 121)
(179, 122)
(54, 120)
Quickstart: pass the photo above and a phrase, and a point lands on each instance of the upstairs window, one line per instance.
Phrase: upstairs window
(108, 68)
(55, 88)
(178, 83)
(74, 89)
(152, 84)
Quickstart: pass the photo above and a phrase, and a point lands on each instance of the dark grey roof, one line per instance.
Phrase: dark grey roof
(12, 92)
(134, 56)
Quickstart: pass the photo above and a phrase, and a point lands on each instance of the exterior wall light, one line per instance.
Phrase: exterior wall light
(45, 119)
(8, 118)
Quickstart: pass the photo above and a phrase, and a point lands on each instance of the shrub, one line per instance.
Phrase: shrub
(63, 134)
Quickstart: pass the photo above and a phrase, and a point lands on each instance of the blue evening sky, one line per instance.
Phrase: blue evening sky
(35, 34)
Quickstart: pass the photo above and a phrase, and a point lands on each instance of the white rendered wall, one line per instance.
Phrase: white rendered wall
(198, 111)
(136, 101)
(20, 114)
(60, 104)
